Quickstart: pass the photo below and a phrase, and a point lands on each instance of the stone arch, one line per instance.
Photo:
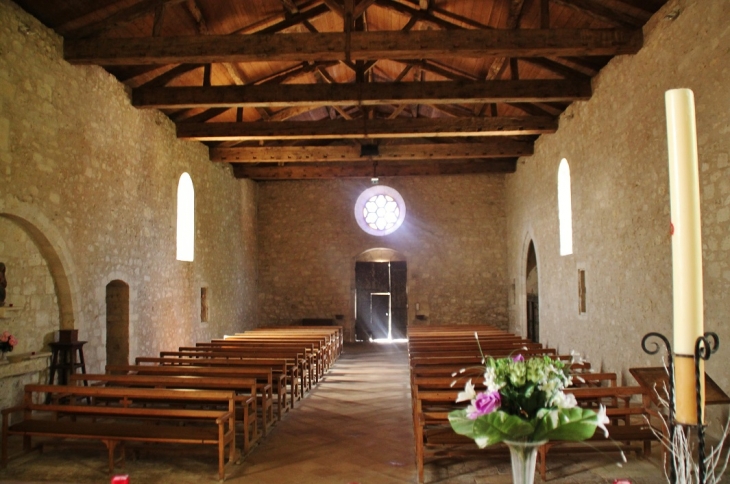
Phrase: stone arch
(520, 323)
(53, 249)
(380, 254)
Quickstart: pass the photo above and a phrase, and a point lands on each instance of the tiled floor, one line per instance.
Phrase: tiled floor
(355, 427)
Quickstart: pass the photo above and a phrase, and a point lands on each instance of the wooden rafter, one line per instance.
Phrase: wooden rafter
(361, 7)
(368, 128)
(282, 23)
(171, 74)
(363, 45)
(504, 148)
(419, 14)
(314, 171)
(329, 93)
(118, 18)
(194, 9)
(601, 12)
(556, 67)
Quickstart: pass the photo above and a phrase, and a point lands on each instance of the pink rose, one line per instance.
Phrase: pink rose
(483, 404)
(518, 358)
(4, 337)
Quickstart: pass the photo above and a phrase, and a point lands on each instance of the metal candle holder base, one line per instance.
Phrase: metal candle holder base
(705, 346)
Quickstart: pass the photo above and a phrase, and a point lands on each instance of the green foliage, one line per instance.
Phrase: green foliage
(531, 404)
(566, 424)
(492, 428)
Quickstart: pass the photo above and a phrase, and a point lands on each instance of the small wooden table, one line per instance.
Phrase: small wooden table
(656, 377)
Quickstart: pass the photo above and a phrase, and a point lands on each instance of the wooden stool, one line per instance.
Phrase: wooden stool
(66, 357)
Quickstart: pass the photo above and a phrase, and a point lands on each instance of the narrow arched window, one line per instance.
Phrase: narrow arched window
(565, 210)
(185, 218)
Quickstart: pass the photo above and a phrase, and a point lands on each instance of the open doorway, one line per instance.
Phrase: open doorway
(117, 323)
(381, 301)
(531, 291)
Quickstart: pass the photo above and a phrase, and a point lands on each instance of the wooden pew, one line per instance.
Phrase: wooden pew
(314, 358)
(295, 359)
(631, 415)
(285, 368)
(124, 418)
(323, 353)
(245, 389)
(257, 380)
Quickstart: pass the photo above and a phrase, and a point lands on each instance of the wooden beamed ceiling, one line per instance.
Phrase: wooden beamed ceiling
(310, 89)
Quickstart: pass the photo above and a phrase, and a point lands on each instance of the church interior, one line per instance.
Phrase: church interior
(262, 132)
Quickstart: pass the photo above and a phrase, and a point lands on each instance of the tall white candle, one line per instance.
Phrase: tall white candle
(684, 194)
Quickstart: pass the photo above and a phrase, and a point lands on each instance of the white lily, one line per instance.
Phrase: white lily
(468, 394)
(602, 420)
(564, 400)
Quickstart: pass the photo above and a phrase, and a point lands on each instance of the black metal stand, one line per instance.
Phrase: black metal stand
(705, 346)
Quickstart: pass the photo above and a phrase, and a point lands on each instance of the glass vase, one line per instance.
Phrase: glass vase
(524, 457)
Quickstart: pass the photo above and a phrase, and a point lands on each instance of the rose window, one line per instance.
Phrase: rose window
(380, 210)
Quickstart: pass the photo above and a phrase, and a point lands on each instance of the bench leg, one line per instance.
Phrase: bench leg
(110, 445)
(4, 458)
(542, 455)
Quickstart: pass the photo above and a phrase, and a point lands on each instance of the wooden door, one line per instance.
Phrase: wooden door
(370, 277)
(398, 300)
(380, 315)
(533, 318)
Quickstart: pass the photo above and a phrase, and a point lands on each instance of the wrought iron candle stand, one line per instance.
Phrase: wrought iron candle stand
(705, 346)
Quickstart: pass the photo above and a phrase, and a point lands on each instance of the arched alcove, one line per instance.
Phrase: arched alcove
(58, 264)
(117, 323)
(532, 295)
(381, 296)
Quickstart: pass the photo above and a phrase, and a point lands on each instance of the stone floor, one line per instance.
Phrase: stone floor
(354, 428)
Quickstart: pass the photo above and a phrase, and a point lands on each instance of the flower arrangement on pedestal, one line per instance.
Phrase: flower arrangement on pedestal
(524, 406)
(7, 342)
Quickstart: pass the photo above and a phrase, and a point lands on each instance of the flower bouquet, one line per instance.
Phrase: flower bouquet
(524, 406)
(7, 342)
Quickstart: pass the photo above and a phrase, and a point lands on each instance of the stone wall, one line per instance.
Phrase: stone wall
(617, 150)
(93, 182)
(452, 240)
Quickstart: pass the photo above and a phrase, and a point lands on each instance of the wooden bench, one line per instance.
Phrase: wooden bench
(299, 358)
(245, 389)
(629, 408)
(323, 353)
(315, 358)
(284, 371)
(124, 417)
(262, 376)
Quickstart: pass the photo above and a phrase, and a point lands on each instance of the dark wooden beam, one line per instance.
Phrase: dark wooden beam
(206, 115)
(120, 17)
(361, 7)
(173, 73)
(314, 171)
(287, 95)
(363, 46)
(501, 148)
(291, 20)
(418, 14)
(602, 13)
(159, 19)
(556, 67)
(368, 128)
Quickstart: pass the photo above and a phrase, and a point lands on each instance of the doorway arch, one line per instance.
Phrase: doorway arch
(56, 256)
(532, 295)
(381, 296)
(117, 323)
